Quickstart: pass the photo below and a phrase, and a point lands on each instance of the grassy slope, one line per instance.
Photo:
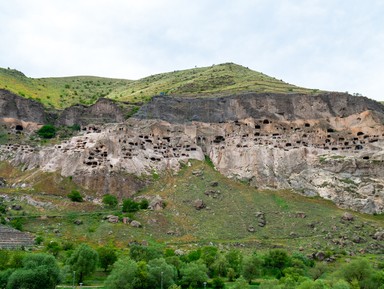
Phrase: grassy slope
(214, 80)
(224, 221)
(59, 92)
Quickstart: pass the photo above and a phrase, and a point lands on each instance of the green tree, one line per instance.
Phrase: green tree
(174, 286)
(122, 274)
(4, 277)
(275, 261)
(4, 259)
(107, 256)
(75, 196)
(235, 261)
(194, 274)
(241, 283)
(110, 201)
(130, 206)
(83, 260)
(218, 283)
(361, 272)
(341, 284)
(209, 255)
(144, 253)
(252, 267)
(141, 280)
(161, 272)
(47, 131)
(220, 266)
(38, 271)
(53, 248)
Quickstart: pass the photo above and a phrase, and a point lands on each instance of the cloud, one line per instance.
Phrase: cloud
(335, 45)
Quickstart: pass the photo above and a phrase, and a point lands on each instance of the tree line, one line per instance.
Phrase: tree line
(156, 267)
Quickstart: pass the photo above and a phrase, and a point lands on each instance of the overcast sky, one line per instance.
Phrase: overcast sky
(325, 44)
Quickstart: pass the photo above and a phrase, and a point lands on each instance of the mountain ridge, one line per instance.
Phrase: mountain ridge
(215, 80)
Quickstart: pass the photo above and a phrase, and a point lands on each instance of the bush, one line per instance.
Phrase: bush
(144, 204)
(75, 196)
(218, 283)
(130, 206)
(17, 223)
(47, 131)
(110, 201)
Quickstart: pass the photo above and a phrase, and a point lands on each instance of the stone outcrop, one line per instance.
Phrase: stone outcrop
(256, 105)
(20, 113)
(103, 111)
(329, 145)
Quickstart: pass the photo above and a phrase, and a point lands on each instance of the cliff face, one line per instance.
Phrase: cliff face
(329, 145)
(15, 107)
(257, 106)
(16, 110)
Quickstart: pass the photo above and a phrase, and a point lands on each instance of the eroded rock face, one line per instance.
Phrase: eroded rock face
(330, 145)
(16, 111)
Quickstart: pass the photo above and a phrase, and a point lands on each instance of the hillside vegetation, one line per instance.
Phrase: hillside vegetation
(216, 80)
(231, 210)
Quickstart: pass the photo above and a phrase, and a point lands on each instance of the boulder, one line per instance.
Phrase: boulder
(112, 219)
(347, 217)
(251, 229)
(78, 222)
(300, 215)
(379, 236)
(199, 204)
(156, 203)
(17, 207)
(136, 224)
(3, 183)
(319, 256)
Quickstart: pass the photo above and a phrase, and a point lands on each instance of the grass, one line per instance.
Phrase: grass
(225, 220)
(216, 80)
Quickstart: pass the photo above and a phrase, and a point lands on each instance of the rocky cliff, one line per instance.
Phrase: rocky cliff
(29, 114)
(330, 145)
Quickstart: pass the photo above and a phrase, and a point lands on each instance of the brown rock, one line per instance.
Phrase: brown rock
(347, 217)
(199, 204)
(136, 224)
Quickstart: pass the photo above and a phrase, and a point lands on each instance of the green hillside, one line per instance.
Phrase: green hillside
(59, 92)
(292, 221)
(214, 80)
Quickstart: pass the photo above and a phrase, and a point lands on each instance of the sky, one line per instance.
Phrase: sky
(335, 45)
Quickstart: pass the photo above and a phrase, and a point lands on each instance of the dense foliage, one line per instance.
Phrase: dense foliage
(156, 267)
(47, 131)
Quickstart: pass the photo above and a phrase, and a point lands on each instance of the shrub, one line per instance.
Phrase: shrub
(110, 201)
(130, 206)
(47, 131)
(144, 204)
(75, 196)
(218, 283)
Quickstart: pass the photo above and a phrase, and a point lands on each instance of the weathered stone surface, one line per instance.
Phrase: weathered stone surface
(112, 219)
(379, 235)
(347, 217)
(199, 204)
(251, 229)
(16, 207)
(136, 224)
(3, 183)
(328, 145)
(157, 203)
(256, 105)
(78, 222)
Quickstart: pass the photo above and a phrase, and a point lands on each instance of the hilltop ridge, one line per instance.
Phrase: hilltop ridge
(211, 81)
